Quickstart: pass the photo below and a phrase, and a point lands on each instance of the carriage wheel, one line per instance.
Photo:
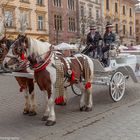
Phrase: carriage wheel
(76, 90)
(117, 86)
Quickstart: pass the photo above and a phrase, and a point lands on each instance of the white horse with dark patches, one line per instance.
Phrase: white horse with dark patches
(76, 69)
(26, 84)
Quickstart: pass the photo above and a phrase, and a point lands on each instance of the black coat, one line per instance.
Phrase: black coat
(109, 38)
(93, 41)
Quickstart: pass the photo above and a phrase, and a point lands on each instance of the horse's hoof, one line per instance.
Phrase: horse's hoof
(44, 118)
(32, 113)
(50, 123)
(25, 112)
(88, 109)
(83, 108)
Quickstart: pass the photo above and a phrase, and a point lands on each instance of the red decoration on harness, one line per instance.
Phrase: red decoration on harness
(22, 56)
(87, 85)
(42, 67)
(72, 76)
(59, 100)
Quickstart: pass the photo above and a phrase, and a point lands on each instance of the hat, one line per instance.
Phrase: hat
(92, 27)
(109, 25)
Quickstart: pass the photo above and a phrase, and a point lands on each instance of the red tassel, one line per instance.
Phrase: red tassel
(22, 56)
(88, 85)
(59, 100)
(56, 101)
(36, 65)
(73, 76)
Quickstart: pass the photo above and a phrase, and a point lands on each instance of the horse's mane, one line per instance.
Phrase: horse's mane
(37, 46)
(9, 43)
(38, 43)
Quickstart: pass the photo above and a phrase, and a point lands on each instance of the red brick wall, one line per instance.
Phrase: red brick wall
(64, 35)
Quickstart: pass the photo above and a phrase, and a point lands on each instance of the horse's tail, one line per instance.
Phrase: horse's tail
(88, 69)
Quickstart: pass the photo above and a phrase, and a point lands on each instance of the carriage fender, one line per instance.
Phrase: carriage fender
(127, 70)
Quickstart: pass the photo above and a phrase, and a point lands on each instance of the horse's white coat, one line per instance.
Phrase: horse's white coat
(39, 48)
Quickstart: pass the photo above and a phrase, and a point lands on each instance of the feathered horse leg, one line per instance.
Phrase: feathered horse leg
(86, 98)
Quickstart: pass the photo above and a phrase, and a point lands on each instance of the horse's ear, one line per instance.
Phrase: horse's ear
(25, 36)
(4, 38)
(18, 36)
(51, 48)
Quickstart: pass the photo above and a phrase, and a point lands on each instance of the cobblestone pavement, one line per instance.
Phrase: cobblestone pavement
(107, 121)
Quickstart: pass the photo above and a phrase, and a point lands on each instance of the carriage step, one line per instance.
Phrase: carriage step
(100, 83)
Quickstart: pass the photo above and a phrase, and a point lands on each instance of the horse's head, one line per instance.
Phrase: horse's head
(15, 55)
(3, 48)
(20, 45)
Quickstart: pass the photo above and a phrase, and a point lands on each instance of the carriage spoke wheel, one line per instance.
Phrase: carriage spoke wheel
(117, 86)
(76, 90)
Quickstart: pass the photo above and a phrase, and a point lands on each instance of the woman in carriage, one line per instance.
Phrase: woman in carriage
(109, 39)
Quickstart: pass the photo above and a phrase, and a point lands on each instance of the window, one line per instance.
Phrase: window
(116, 28)
(9, 18)
(137, 21)
(97, 14)
(137, 39)
(26, 15)
(116, 7)
(40, 2)
(107, 4)
(124, 29)
(57, 3)
(71, 24)
(124, 10)
(71, 4)
(40, 23)
(130, 30)
(96, 1)
(130, 12)
(25, 1)
(58, 22)
(82, 11)
(137, 29)
(90, 12)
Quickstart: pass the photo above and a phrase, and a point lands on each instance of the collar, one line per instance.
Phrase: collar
(42, 66)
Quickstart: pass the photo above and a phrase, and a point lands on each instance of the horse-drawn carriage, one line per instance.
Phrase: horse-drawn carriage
(120, 68)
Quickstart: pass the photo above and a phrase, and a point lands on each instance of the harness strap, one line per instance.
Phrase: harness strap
(78, 62)
(39, 67)
(68, 65)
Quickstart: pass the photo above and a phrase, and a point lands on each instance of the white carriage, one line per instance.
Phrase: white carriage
(120, 68)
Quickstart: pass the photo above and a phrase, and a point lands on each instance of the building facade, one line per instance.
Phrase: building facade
(121, 13)
(35, 13)
(63, 21)
(138, 25)
(89, 13)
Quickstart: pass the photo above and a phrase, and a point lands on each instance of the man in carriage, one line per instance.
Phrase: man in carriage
(92, 41)
(109, 39)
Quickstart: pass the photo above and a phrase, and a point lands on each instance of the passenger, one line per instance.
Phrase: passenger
(108, 39)
(92, 41)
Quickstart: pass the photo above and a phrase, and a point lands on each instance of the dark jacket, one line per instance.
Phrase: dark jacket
(109, 38)
(93, 41)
